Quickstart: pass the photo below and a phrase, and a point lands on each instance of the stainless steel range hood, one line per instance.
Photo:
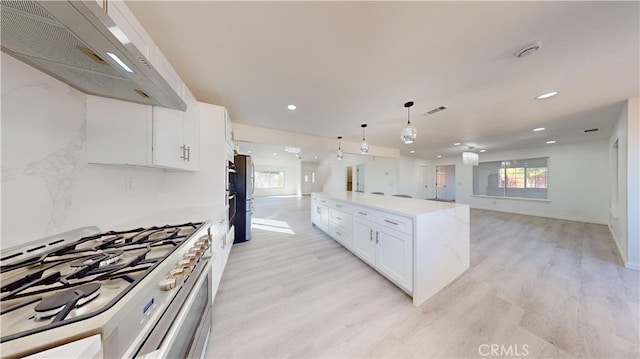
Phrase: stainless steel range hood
(71, 41)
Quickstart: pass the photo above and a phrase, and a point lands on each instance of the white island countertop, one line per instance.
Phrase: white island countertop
(403, 206)
(422, 253)
(173, 216)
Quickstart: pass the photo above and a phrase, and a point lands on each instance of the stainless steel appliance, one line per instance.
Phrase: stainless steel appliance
(231, 192)
(244, 185)
(79, 44)
(144, 292)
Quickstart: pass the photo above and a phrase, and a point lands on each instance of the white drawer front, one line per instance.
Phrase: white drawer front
(340, 218)
(341, 235)
(342, 206)
(398, 223)
(365, 213)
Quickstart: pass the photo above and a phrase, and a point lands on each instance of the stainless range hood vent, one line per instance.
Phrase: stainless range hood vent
(70, 40)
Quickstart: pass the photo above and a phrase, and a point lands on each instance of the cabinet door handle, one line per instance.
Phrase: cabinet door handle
(362, 213)
(338, 218)
(339, 206)
(184, 152)
(377, 235)
(392, 222)
(188, 159)
(338, 233)
(370, 235)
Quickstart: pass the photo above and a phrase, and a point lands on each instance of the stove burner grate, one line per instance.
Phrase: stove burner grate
(62, 303)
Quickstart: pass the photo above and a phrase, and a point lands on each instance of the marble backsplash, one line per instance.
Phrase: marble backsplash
(47, 185)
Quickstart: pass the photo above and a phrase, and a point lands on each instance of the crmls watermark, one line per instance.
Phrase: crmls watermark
(502, 350)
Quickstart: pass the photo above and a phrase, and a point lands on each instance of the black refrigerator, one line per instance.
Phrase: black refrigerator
(244, 198)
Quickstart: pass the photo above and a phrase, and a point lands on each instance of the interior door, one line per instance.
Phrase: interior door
(441, 182)
(360, 178)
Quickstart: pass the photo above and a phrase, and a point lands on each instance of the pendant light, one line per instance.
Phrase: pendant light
(364, 146)
(409, 132)
(339, 153)
(470, 158)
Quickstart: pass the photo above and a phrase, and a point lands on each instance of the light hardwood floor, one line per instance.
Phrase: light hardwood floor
(538, 287)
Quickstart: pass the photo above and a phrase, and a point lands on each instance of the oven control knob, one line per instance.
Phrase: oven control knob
(205, 239)
(177, 271)
(196, 251)
(186, 265)
(168, 283)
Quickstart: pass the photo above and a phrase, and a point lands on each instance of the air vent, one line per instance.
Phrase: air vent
(591, 130)
(437, 109)
(144, 62)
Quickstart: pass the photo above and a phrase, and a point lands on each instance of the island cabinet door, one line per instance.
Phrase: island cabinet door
(394, 256)
(364, 244)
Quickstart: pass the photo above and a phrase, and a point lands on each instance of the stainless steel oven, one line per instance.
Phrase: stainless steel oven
(144, 292)
(184, 328)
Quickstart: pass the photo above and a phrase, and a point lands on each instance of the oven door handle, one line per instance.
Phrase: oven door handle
(183, 315)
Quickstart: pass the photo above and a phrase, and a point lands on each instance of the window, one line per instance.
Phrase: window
(523, 178)
(265, 180)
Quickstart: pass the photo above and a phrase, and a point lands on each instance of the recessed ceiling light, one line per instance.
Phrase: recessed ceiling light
(538, 129)
(412, 151)
(249, 152)
(316, 157)
(550, 142)
(275, 153)
(547, 95)
(483, 151)
(291, 107)
(457, 144)
(439, 156)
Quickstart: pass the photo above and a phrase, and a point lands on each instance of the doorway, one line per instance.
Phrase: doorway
(349, 178)
(360, 178)
(446, 183)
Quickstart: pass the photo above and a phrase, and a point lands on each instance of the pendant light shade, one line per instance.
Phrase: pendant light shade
(409, 132)
(364, 146)
(339, 153)
(470, 158)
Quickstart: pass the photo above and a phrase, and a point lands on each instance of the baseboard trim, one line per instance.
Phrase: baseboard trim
(540, 215)
(619, 250)
(634, 266)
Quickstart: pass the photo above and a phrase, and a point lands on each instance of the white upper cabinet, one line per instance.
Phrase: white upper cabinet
(118, 132)
(125, 133)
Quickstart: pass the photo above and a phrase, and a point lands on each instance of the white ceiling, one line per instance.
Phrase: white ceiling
(279, 156)
(345, 63)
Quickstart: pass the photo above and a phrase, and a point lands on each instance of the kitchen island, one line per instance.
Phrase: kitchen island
(419, 245)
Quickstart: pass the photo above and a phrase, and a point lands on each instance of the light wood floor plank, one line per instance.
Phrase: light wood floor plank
(554, 286)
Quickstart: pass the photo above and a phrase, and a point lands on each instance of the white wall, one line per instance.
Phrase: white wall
(47, 185)
(291, 181)
(578, 180)
(624, 214)
(411, 177)
(379, 173)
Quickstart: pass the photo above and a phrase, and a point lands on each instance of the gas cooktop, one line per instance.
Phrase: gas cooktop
(68, 278)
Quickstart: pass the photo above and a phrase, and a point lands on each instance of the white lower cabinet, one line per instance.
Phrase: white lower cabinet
(389, 251)
(320, 215)
(394, 256)
(381, 239)
(364, 245)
